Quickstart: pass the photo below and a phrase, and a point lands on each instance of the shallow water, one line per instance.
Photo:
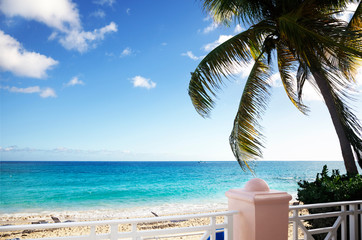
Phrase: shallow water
(67, 186)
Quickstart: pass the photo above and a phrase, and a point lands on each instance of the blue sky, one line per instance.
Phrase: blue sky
(108, 79)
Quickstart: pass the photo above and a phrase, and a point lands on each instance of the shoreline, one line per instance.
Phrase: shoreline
(125, 211)
(108, 214)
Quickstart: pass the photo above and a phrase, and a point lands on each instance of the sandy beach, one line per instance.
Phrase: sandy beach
(95, 215)
(109, 214)
(76, 231)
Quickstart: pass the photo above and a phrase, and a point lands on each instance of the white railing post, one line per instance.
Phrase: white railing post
(262, 213)
(92, 235)
(213, 228)
(134, 231)
(114, 231)
(344, 223)
(295, 225)
(228, 235)
(353, 221)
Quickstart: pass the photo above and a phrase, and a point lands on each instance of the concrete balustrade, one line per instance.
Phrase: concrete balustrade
(262, 212)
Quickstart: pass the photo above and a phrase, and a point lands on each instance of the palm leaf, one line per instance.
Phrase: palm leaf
(286, 65)
(340, 94)
(331, 5)
(246, 139)
(337, 48)
(246, 11)
(351, 124)
(356, 20)
(303, 74)
(220, 63)
(302, 33)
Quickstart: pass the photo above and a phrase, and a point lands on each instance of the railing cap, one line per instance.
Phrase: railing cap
(256, 185)
(257, 190)
(272, 196)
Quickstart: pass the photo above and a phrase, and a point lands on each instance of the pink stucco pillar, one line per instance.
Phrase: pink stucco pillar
(263, 213)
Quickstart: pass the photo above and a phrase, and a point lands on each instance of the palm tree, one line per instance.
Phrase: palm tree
(308, 43)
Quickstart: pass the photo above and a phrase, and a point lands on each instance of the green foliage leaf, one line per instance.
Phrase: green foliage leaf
(329, 188)
(246, 139)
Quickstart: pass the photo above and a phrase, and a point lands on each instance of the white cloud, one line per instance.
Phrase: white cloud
(207, 18)
(43, 92)
(7, 149)
(81, 40)
(244, 70)
(211, 27)
(85, 151)
(192, 56)
(15, 59)
(128, 11)
(74, 81)
(211, 46)
(64, 150)
(35, 89)
(53, 36)
(47, 92)
(60, 15)
(99, 13)
(275, 81)
(348, 13)
(126, 52)
(67, 150)
(139, 81)
(238, 29)
(310, 93)
(109, 54)
(61, 149)
(105, 2)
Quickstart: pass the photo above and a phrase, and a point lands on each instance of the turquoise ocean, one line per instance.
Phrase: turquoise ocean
(75, 186)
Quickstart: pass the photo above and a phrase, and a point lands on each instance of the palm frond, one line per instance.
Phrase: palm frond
(220, 63)
(303, 33)
(287, 64)
(332, 5)
(246, 139)
(303, 74)
(246, 11)
(356, 21)
(351, 124)
(340, 95)
(309, 39)
(337, 48)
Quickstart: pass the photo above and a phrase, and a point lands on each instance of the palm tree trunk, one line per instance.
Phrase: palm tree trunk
(347, 153)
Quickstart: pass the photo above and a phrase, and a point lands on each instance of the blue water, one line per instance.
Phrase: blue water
(42, 186)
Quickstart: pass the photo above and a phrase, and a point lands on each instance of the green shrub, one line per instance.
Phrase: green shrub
(327, 188)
